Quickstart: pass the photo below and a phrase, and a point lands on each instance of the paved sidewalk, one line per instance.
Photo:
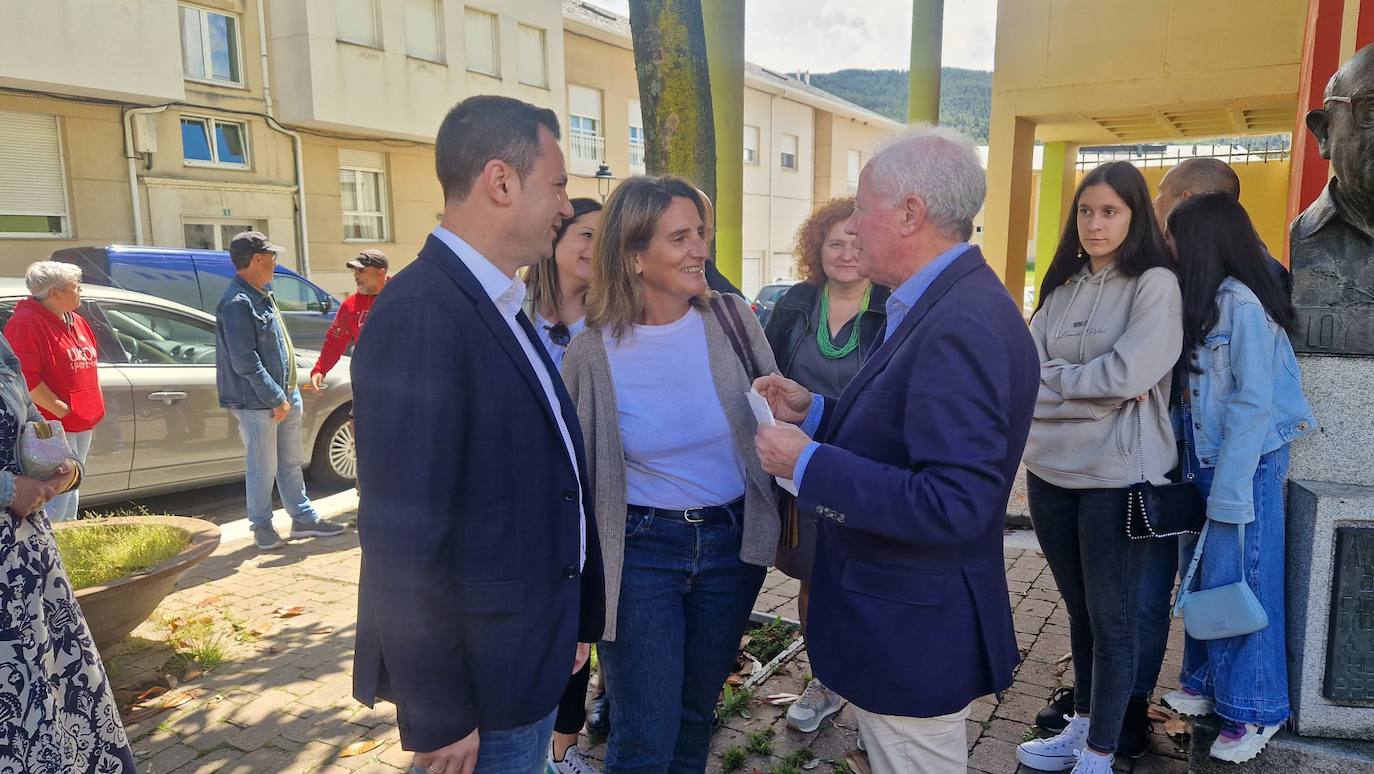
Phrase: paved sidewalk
(283, 623)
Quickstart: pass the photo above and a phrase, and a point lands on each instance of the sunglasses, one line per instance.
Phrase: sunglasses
(559, 334)
(1361, 108)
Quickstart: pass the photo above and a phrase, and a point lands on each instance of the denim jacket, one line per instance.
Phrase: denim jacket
(14, 392)
(251, 349)
(1246, 402)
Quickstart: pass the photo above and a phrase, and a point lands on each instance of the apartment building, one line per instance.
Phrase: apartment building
(802, 145)
(314, 121)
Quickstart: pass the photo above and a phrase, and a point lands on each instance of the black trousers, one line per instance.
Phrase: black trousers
(572, 708)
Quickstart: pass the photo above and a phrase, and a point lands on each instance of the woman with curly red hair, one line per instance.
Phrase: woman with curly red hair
(821, 330)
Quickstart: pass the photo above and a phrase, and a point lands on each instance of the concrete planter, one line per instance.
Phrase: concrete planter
(114, 609)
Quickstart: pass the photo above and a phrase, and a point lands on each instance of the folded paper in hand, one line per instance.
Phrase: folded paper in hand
(764, 416)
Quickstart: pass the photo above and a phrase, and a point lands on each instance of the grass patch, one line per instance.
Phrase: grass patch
(95, 553)
(733, 701)
(841, 766)
(770, 639)
(760, 742)
(732, 759)
(197, 641)
(793, 763)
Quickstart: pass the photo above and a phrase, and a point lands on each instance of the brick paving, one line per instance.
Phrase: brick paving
(280, 702)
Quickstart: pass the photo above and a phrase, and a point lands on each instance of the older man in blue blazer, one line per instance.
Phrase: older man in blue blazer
(911, 467)
(481, 572)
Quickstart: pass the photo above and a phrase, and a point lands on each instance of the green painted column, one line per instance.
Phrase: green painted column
(724, 24)
(1057, 183)
(923, 81)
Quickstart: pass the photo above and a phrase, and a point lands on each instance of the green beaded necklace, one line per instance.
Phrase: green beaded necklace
(823, 330)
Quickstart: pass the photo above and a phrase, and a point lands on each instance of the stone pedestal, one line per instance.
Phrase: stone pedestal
(1341, 391)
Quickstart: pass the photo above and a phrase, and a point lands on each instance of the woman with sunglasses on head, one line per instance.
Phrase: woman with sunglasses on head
(558, 285)
(557, 290)
(1242, 408)
(1109, 333)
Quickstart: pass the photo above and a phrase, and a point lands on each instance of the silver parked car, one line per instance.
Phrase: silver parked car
(164, 429)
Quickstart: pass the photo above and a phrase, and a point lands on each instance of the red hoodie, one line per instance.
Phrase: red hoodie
(348, 323)
(61, 356)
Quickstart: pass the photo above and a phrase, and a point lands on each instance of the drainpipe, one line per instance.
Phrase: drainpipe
(772, 156)
(132, 158)
(302, 228)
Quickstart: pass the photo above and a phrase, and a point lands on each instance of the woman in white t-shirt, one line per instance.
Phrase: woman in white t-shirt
(687, 517)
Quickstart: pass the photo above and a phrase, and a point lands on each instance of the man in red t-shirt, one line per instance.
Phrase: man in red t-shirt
(58, 353)
(369, 275)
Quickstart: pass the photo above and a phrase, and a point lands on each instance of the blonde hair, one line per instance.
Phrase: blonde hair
(615, 300)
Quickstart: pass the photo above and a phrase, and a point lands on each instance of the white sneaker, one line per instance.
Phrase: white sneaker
(1058, 753)
(1189, 703)
(1093, 763)
(812, 708)
(1239, 743)
(573, 763)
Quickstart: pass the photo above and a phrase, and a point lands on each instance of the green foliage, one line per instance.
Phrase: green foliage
(770, 639)
(965, 95)
(760, 742)
(95, 553)
(840, 766)
(734, 701)
(732, 759)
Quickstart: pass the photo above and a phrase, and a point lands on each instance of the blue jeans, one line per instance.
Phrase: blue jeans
(519, 750)
(63, 506)
(685, 599)
(1247, 675)
(275, 450)
(1082, 533)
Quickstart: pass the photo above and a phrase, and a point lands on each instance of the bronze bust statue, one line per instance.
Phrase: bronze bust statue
(1332, 249)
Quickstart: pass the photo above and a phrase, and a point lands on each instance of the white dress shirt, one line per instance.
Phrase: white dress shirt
(509, 294)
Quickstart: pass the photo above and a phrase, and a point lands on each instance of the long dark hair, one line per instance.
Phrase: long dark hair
(1214, 239)
(1143, 248)
(542, 278)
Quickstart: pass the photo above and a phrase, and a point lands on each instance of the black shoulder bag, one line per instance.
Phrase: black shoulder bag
(1176, 508)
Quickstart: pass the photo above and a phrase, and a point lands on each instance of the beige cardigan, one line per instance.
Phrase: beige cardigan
(587, 373)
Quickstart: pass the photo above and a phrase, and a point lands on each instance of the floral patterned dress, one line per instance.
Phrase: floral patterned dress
(57, 714)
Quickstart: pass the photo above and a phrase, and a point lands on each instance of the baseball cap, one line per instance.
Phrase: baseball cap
(252, 243)
(369, 257)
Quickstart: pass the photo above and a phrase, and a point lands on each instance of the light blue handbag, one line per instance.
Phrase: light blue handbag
(1225, 611)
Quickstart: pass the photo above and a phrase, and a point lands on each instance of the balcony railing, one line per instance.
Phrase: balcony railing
(637, 157)
(587, 151)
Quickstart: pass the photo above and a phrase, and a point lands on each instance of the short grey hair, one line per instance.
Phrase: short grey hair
(939, 166)
(43, 277)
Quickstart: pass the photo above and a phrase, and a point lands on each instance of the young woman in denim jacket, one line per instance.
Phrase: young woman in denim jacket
(1241, 408)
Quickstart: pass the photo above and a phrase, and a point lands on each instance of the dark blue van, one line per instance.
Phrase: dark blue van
(197, 278)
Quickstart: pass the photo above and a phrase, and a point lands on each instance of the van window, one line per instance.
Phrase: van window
(295, 295)
(214, 280)
(174, 280)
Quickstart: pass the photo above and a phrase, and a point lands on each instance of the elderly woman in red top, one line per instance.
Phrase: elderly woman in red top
(57, 352)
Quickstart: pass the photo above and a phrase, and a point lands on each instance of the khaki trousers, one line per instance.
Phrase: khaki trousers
(904, 745)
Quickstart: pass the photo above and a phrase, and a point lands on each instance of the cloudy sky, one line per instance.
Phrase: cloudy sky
(826, 35)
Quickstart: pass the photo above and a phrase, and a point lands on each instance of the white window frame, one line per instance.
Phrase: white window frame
(752, 160)
(783, 154)
(206, 53)
(66, 214)
(210, 124)
(218, 226)
(852, 183)
(637, 148)
(441, 53)
(495, 71)
(375, 43)
(543, 55)
(382, 201)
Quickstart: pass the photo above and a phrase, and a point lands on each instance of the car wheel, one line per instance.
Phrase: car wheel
(335, 461)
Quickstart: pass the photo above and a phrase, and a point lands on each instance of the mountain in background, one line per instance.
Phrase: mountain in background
(965, 95)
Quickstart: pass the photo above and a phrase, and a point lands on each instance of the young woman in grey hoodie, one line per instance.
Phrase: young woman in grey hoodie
(1109, 332)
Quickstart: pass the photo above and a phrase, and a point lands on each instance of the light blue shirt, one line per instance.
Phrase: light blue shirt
(556, 351)
(902, 300)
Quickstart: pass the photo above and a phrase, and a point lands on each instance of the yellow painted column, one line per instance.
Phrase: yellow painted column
(724, 24)
(1057, 174)
(1007, 211)
(923, 81)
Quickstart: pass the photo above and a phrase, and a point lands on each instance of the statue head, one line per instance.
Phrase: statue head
(1344, 125)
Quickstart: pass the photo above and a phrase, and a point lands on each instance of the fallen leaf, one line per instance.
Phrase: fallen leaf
(261, 628)
(1159, 715)
(170, 702)
(358, 748)
(1176, 727)
(1064, 659)
(193, 672)
(156, 690)
(858, 762)
(734, 679)
(207, 601)
(781, 699)
(288, 612)
(163, 702)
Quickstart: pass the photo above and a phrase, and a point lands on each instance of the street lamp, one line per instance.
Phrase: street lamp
(604, 178)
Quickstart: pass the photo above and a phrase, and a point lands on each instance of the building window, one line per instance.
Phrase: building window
(852, 166)
(483, 42)
(534, 57)
(362, 187)
(787, 154)
(636, 138)
(355, 21)
(211, 236)
(210, 45)
(751, 144)
(586, 144)
(33, 182)
(423, 25)
(214, 143)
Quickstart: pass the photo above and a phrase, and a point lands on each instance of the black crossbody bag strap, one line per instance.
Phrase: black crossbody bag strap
(734, 331)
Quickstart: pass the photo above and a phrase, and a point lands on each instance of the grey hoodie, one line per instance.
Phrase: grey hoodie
(1103, 339)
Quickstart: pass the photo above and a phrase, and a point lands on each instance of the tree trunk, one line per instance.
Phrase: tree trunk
(675, 90)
